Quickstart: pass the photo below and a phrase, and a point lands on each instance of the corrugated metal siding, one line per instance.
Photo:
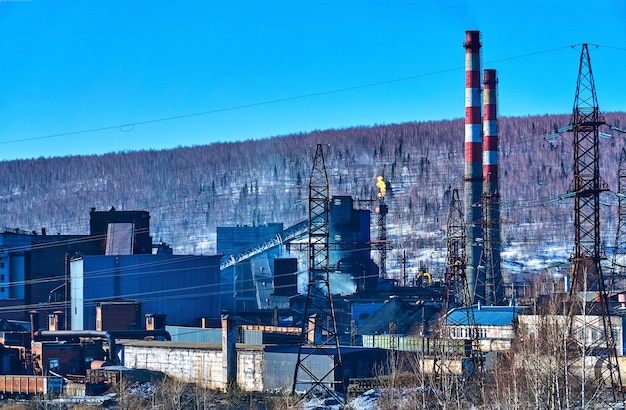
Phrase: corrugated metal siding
(194, 334)
(252, 337)
(183, 287)
(234, 238)
(412, 343)
(486, 315)
(279, 369)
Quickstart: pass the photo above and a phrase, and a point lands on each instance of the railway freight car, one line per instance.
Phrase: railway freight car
(22, 385)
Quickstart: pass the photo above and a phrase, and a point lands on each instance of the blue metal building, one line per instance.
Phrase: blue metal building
(239, 290)
(350, 245)
(185, 288)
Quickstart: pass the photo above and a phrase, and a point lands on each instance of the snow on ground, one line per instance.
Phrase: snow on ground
(366, 401)
(402, 398)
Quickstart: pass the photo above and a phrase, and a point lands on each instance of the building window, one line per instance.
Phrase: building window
(53, 365)
(2, 276)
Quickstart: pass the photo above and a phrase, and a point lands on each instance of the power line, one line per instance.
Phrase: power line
(127, 127)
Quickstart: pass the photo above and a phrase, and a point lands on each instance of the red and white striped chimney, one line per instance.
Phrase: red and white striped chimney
(473, 159)
(490, 127)
(494, 292)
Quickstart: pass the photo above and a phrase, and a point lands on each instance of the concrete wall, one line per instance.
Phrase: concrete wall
(250, 370)
(196, 363)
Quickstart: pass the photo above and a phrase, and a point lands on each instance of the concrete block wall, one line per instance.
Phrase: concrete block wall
(250, 370)
(199, 364)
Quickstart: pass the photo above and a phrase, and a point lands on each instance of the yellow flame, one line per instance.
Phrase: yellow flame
(380, 184)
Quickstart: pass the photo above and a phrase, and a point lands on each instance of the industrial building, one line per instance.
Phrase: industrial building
(112, 228)
(244, 285)
(34, 266)
(224, 362)
(350, 248)
(184, 288)
(495, 325)
(248, 284)
(34, 269)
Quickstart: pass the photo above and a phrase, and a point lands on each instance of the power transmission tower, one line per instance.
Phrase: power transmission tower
(457, 291)
(620, 231)
(586, 187)
(319, 328)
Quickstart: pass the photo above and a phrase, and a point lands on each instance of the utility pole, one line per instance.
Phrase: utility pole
(319, 328)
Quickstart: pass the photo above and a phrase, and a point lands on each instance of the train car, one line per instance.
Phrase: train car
(22, 385)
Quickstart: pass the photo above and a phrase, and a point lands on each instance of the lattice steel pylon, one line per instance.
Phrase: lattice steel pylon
(319, 328)
(618, 268)
(457, 291)
(455, 294)
(586, 187)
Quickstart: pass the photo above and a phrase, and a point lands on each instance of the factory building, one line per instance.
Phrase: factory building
(269, 279)
(34, 266)
(32, 270)
(495, 325)
(111, 228)
(223, 362)
(182, 287)
(245, 285)
(350, 246)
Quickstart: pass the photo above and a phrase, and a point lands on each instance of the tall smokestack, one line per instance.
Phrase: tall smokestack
(491, 205)
(473, 160)
(490, 127)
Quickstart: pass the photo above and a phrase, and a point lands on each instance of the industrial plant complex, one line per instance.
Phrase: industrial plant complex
(312, 307)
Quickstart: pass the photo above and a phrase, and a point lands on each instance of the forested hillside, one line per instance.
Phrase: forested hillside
(190, 191)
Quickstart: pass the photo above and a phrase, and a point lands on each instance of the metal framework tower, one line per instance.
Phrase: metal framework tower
(319, 328)
(457, 291)
(455, 294)
(586, 187)
(619, 270)
(382, 210)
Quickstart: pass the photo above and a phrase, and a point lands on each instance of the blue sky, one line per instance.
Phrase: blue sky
(258, 69)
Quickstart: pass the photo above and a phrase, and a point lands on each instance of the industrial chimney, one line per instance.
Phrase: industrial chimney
(492, 243)
(473, 160)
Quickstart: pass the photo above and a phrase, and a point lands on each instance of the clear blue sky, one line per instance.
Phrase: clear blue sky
(71, 66)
